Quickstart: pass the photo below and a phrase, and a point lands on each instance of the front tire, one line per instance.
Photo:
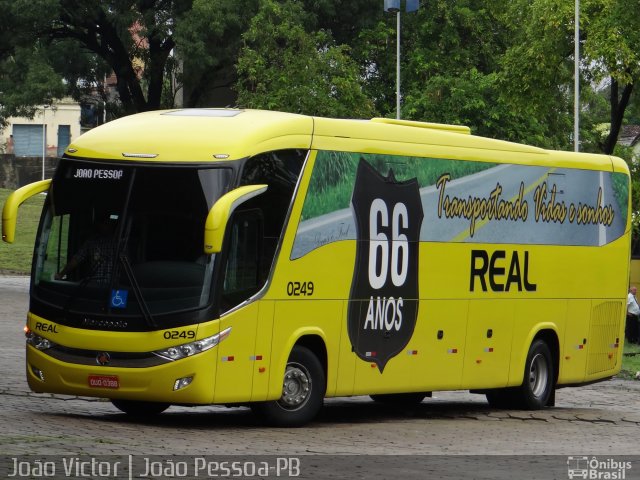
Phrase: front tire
(303, 389)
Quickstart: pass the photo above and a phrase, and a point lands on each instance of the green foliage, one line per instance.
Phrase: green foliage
(630, 361)
(504, 68)
(16, 257)
(283, 67)
(39, 83)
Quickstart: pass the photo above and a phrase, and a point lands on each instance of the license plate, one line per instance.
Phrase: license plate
(104, 381)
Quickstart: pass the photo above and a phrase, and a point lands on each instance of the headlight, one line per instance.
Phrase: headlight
(192, 348)
(37, 341)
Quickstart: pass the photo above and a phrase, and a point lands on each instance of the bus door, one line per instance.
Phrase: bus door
(241, 278)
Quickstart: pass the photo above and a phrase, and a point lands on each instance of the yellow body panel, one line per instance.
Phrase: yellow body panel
(465, 336)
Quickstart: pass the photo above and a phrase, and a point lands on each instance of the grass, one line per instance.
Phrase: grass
(630, 361)
(15, 258)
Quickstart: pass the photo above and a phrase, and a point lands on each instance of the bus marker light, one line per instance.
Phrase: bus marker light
(412, 352)
(452, 350)
(479, 361)
(230, 358)
(580, 347)
(255, 358)
(370, 354)
(262, 369)
(567, 357)
(488, 349)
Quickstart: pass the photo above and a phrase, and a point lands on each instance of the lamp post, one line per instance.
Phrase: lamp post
(576, 79)
(393, 6)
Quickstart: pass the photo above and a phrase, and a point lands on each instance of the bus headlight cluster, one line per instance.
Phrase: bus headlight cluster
(192, 348)
(37, 341)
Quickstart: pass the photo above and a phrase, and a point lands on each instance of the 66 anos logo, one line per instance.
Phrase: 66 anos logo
(383, 303)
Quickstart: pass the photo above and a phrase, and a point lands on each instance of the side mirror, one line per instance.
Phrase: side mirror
(13, 201)
(218, 217)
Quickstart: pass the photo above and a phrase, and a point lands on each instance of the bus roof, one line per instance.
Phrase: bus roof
(210, 134)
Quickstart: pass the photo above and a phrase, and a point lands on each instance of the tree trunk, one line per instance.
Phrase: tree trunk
(618, 104)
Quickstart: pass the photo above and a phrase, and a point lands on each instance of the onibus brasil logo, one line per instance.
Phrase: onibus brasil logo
(597, 468)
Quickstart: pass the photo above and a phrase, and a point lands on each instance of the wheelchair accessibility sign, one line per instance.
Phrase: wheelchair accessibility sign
(119, 298)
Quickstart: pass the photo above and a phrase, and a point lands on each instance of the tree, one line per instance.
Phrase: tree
(538, 66)
(611, 46)
(451, 73)
(26, 78)
(209, 42)
(134, 37)
(76, 39)
(282, 66)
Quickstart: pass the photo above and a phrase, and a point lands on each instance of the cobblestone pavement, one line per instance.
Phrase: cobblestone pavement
(600, 419)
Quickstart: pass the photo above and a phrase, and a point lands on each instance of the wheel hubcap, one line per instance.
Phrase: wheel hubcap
(538, 375)
(296, 387)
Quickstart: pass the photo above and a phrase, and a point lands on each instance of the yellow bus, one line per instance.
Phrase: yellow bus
(239, 257)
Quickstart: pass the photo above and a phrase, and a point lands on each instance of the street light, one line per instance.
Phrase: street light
(576, 79)
(393, 6)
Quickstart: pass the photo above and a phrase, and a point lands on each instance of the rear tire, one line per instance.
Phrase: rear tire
(303, 389)
(137, 408)
(539, 378)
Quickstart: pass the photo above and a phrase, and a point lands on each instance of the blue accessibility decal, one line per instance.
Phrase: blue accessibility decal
(119, 298)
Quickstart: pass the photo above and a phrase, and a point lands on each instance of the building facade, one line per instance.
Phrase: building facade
(47, 134)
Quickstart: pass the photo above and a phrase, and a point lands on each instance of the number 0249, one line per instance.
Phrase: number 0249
(300, 289)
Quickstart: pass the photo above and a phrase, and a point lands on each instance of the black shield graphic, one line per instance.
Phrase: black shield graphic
(383, 304)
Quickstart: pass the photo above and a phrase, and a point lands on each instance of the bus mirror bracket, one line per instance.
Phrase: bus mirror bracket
(13, 202)
(218, 217)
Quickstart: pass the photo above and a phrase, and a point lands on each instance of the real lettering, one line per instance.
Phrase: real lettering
(503, 270)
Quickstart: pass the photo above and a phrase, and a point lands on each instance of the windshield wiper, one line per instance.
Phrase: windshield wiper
(144, 308)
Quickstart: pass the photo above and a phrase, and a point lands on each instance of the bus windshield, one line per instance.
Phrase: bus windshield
(124, 241)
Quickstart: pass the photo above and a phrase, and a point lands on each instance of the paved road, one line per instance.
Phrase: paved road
(601, 420)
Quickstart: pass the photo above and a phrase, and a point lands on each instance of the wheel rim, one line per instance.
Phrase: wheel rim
(538, 375)
(296, 387)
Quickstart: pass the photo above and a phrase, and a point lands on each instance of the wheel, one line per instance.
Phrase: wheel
(140, 409)
(303, 389)
(399, 399)
(538, 383)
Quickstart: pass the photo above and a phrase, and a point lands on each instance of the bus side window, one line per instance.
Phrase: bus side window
(280, 170)
(242, 271)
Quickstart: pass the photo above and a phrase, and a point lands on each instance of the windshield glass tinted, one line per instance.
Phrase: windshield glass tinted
(126, 241)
